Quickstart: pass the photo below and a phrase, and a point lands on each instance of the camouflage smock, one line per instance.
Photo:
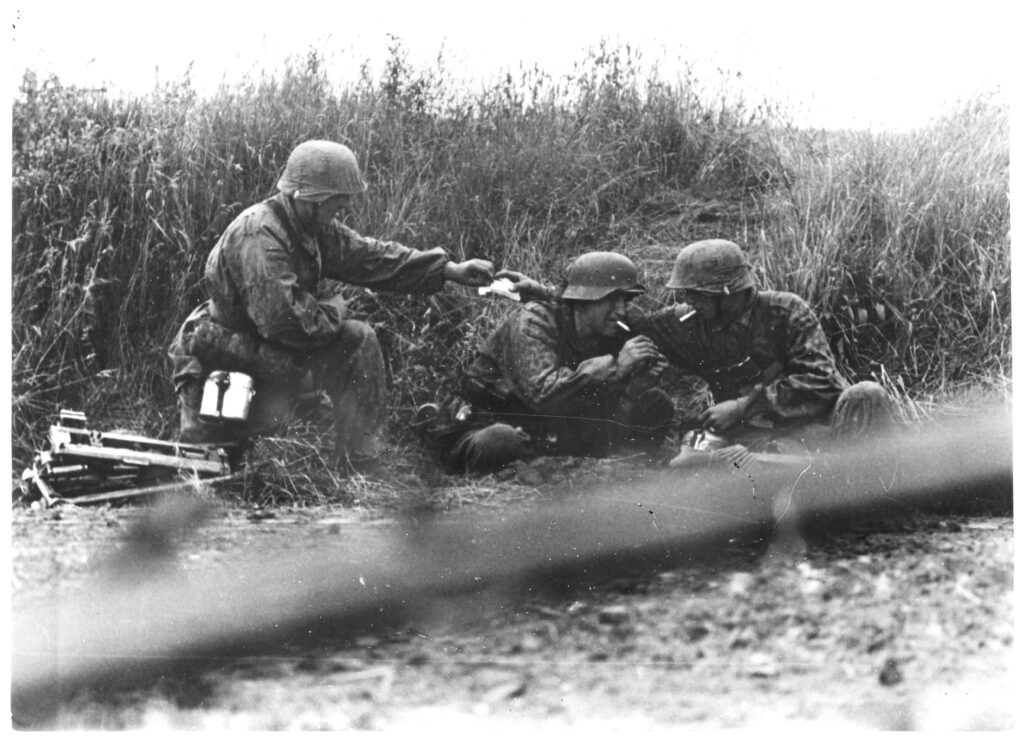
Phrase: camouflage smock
(526, 375)
(776, 346)
(263, 274)
(529, 362)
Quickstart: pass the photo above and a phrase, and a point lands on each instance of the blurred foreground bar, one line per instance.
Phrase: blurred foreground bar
(119, 628)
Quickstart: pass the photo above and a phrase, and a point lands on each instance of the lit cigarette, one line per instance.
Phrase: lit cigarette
(623, 326)
(687, 316)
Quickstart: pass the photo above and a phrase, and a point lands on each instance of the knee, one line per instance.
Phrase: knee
(865, 392)
(656, 402)
(355, 334)
(862, 408)
(654, 407)
(353, 354)
(490, 449)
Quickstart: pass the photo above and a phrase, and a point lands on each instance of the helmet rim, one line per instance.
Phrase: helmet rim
(597, 274)
(317, 170)
(714, 266)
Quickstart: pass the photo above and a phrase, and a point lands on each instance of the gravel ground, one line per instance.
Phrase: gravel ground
(892, 625)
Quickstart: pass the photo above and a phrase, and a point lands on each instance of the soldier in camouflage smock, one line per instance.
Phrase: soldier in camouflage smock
(764, 356)
(559, 377)
(275, 309)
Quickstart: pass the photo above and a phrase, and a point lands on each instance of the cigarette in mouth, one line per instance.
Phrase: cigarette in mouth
(687, 316)
(622, 326)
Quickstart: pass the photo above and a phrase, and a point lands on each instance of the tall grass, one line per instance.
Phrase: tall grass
(903, 241)
(118, 200)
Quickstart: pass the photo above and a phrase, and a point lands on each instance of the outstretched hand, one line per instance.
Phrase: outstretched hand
(528, 289)
(471, 272)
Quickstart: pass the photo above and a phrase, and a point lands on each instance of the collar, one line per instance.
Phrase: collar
(308, 240)
(741, 319)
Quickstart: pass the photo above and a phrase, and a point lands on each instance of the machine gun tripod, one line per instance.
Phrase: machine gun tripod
(84, 466)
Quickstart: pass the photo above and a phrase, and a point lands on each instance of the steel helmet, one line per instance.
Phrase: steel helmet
(597, 274)
(319, 169)
(714, 266)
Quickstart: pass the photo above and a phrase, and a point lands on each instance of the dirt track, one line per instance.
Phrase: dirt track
(896, 624)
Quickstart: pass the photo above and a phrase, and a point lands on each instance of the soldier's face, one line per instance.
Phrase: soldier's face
(332, 207)
(706, 304)
(712, 307)
(600, 317)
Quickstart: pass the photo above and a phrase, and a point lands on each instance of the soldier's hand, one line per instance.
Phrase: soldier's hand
(528, 289)
(636, 353)
(471, 272)
(597, 369)
(645, 377)
(722, 416)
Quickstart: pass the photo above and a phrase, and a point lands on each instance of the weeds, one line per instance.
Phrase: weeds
(900, 241)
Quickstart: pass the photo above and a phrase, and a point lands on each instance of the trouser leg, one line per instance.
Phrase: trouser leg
(862, 411)
(352, 370)
(488, 449)
(643, 423)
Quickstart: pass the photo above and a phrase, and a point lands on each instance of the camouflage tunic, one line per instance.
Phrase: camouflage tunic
(274, 314)
(529, 362)
(262, 279)
(526, 374)
(776, 347)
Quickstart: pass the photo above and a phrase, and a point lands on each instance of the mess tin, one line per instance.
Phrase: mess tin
(227, 397)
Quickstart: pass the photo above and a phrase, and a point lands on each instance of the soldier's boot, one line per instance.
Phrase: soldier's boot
(644, 425)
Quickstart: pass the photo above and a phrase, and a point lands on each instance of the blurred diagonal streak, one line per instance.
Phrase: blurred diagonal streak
(127, 624)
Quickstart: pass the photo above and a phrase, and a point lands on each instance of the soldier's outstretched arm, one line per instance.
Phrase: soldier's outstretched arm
(528, 288)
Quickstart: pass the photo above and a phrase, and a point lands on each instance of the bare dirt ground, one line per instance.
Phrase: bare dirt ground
(888, 624)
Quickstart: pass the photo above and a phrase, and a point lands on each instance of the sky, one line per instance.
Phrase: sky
(872, 64)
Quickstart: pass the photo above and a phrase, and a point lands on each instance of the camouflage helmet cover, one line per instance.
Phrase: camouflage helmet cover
(597, 274)
(318, 170)
(713, 266)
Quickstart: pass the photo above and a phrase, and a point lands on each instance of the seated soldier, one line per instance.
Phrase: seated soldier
(276, 311)
(560, 377)
(763, 354)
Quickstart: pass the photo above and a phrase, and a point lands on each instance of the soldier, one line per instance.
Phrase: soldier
(269, 314)
(764, 356)
(559, 377)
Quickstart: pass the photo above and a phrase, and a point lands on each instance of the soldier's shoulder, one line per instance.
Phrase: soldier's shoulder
(548, 311)
(787, 310)
(534, 315)
(783, 300)
(252, 219)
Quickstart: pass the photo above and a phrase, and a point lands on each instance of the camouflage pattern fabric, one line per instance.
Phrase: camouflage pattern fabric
(779, 333)
(268, 313)
(525, 375)
(777, 351)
